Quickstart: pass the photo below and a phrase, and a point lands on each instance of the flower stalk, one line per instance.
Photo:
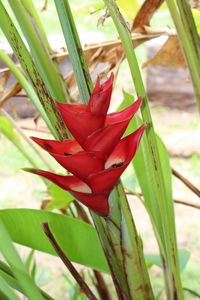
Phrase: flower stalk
(189, 40)
(96, 158)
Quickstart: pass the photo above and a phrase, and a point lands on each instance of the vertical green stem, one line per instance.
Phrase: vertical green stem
(45, 65)
(27, 87)
(35, 20)
(168, 226)
(29, 142)
(76, 55)
(123, 249)
(189, 40)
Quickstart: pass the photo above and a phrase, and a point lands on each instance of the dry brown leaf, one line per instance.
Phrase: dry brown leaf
(109, 52)
(44, 6)
(103, 18)
(170, 55)
(145, 14)
(14, 90)
(3, 81)
(195, 4)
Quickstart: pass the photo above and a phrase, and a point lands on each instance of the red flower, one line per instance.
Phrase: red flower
(97, 156)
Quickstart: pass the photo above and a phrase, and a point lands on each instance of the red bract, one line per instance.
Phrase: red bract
(98, 155)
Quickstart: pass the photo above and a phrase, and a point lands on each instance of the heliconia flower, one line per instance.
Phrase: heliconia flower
(98, 155)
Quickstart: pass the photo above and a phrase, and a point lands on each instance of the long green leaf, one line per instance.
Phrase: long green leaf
(163, 213)
(79, 240)
(155, 259)
(5, 288)
(26, 86)
(28, 65)
(12, 257)
(7, 275)
(44, 63)
(75, 50)
(9, 131)
(36, 22)
(189, 39)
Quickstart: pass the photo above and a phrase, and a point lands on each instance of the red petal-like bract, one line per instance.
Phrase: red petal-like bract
(116, 163)
(100, 98)
(80, 123)
(81, 164)
(65, 147)
(98, 154)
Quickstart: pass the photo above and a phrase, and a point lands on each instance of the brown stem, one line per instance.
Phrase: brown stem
(175, 200)
(145, 14)
(193, 188)
(82, 215)
(100, 284)
(187, 203)
(67, 263)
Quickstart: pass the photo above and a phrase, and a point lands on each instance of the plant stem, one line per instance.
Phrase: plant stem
(27, 87)
(123, 249)
(40, 31)
(189, 40)
(189, 184)
(44, 63)
(27, 140)
(77, 58)
(164, 208)
(67, 263)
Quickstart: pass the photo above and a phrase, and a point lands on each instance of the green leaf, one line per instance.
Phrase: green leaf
(129, 179)
(50, 74)
(76, 55)
(145, 175)
(78, 240)
(19, 270)
(8, 130)
(7, 275)
(192, 292)
(26, 86)
(29, 260)
(59, 198)
(4, 287)
(155, 259)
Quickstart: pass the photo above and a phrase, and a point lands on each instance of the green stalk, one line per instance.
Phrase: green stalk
(43, 61)
(28, 141)
(29, 67)
(189, 40)
(166, 210)
(27, 87)
(16, 140)
(35, 20)
(19, 270)
(76, 55)
(123, 249)
(8, 276)
(10, 132)
(5, 288)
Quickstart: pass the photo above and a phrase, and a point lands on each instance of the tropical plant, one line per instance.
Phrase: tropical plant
(104, 237)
